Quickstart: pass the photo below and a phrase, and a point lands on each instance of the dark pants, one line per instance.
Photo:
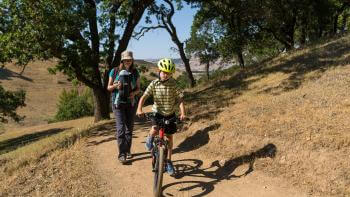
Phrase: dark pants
(124, 117)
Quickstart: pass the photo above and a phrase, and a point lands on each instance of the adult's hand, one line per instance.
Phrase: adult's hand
(117, 85)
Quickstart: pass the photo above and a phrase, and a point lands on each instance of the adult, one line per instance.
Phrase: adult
(124, 83)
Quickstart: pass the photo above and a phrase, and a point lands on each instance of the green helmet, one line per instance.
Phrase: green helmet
(166, 65)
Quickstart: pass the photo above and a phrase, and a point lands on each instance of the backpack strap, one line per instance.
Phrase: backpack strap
(115, 72)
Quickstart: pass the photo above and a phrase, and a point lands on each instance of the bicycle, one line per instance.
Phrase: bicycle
(159, 153)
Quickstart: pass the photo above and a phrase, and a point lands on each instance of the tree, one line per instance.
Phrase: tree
(164, 17)
(237, 20)
(202, 43)
(80, 34)
(9, 102)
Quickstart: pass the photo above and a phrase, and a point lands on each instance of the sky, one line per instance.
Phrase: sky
(156, 44)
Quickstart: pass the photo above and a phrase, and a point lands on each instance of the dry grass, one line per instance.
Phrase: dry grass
(299, 103)
(42, 91)
(53, 166)
(65, 172)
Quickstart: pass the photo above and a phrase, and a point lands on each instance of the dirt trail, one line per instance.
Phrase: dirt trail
(195, 177)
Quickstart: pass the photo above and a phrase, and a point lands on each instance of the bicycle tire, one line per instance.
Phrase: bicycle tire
(158, 174)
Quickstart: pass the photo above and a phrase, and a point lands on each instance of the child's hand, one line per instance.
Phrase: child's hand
(182, 117)
(139, 112)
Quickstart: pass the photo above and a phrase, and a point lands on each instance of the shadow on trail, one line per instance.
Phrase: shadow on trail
(216, 172)
(136, 157)
(14, 143)
(199, 139)
(107, 131)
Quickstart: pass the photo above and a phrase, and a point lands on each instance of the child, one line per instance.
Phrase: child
(165, 95)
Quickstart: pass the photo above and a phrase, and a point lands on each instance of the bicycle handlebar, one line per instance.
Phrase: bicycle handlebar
(163, 121)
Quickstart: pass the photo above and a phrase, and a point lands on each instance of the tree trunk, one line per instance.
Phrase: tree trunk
(101, 104)
(207, 69)
(187, 65)
(290, 33)
(345, 17)
(240, 58)
(169, 26)
(303, 30)
(335, 24)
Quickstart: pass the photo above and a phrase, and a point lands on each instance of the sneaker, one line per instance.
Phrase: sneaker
(170, 168)
(149, 143)
(128, 155)
(122, 159)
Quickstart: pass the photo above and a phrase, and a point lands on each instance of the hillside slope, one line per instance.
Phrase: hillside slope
(299, 102)
(42, 91)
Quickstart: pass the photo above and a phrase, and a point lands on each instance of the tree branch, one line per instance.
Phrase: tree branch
(133, 19)
(138, 35)
(111, 30)
(95, 41)
(78, 73)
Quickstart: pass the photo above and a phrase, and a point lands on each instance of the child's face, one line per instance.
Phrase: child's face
(164, 75)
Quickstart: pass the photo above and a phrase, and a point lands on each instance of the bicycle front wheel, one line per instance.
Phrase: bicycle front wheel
(158, 174)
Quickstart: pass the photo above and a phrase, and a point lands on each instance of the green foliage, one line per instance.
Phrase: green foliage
(203, 41)
(218, 75)
(76, 83)
(80, 35)
(2, 128)
(254, 30)
(183, 81)
(144, 82)
(155, 75)
(72, 105)
(142, 68)
(9, 102)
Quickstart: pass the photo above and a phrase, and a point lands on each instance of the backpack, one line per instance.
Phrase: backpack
(125, 79)
(127, 89)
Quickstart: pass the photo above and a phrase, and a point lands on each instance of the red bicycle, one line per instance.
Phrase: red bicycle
(159, 153)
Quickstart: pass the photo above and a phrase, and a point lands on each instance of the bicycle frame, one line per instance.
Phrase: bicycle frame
(158, 143)
(159, 154)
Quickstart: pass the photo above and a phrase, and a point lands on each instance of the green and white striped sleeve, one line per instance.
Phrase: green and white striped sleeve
(150, 89)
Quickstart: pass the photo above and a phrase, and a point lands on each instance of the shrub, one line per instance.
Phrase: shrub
(153, 74)
(144, 82)
(182, 81)
(9, 102)
(72, 105)
(142, 68)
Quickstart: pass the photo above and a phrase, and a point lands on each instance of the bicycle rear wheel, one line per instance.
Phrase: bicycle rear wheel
(158, 174)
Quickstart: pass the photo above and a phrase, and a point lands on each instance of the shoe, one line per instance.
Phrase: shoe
(170, 168)
(128, 155)
(149, 143)
(122, 159)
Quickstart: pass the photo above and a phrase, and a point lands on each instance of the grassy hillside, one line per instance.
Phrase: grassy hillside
(299, 102)
(42, 91)
(286, 117)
